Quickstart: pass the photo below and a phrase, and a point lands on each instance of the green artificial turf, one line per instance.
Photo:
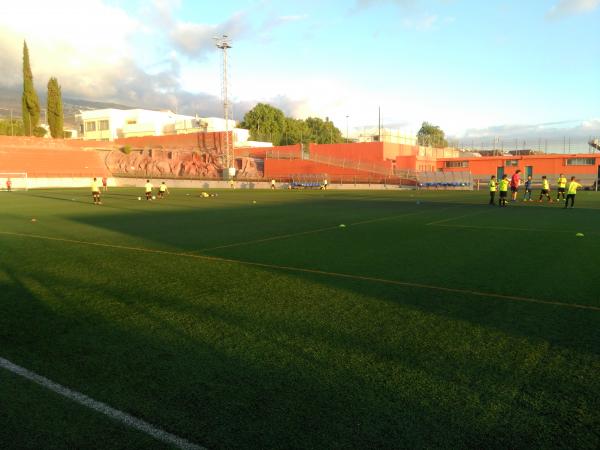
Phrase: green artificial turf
(34, 418)
(252, 320)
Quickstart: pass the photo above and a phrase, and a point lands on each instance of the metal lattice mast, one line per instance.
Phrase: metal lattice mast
(223, 43)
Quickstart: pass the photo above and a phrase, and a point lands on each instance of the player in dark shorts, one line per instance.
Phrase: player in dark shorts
(96, 192)
(503, 189)
(561, 187)
(515, 182)
(148, 188)
(493, 185)
(545, 189)
(162, 190)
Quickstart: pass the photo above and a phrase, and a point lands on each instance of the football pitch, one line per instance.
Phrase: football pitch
(254, 320)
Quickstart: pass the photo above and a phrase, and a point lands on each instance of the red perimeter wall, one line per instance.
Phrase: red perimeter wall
(284, 168)
(368, 151)
(201, 140)
(371, 151)
(41, 157)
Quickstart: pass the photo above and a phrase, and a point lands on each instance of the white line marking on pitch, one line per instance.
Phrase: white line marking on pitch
(302, 233)
(314, 271)
(475, 227)
(103, 408)
(455, 218)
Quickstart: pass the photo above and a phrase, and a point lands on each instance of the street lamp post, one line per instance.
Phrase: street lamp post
(347, 128)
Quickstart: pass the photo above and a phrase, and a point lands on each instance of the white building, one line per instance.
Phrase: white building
(110, 124)
(388, 136)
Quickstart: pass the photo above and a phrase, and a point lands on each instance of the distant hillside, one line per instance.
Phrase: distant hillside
(11, 99)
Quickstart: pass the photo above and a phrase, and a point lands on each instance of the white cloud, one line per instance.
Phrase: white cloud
(92, 51)
(93, 61)
(414, 15)
(293, 18)
(577, 130)
(76, 46)
(570, 7)
(401, 3)
(425, 23)
(194, 39)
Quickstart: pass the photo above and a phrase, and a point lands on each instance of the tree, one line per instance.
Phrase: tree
(39, 132)
(15, 128)
(265, 122)
(432, 136)
(29, 102)
(295, 131)
(55, 109)
(323, 131)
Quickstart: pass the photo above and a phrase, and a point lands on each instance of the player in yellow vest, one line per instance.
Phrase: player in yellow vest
(162, 189)
(503, 188)
(493, 185)
(572, 191)
(148, 187)
(96, 192)
(562, 184)
(545, 189)
(272, 184)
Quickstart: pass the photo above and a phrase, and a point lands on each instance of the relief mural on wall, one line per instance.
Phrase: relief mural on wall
(178, 163)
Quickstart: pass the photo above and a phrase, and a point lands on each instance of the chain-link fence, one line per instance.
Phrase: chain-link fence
(528, 145)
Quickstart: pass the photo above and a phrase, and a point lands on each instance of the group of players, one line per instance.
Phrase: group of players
(502, 186)
(148, 188)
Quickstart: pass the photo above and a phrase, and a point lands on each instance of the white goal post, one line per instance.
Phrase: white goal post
(18, 181)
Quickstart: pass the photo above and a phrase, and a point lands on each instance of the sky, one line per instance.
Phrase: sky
(475, 68)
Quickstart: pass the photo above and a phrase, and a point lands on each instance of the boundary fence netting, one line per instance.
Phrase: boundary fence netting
(445, 180)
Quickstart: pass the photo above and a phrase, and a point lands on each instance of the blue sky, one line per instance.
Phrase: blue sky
(472, 67)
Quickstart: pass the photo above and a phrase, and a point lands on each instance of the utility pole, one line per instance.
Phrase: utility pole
(223, 44)
(379, 126)
(347, 128)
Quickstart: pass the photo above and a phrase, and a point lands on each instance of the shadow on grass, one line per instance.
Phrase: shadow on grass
(207, 222)
(235, 356)
(193, 229)
(227, 374)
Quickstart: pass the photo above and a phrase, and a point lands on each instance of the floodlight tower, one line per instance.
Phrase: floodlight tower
(223, 43)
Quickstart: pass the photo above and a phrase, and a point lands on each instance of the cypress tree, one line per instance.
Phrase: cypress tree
(30, 103)
(55, 108)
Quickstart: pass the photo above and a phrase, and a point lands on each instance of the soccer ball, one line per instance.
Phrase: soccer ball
(154, 197)
(139, 198)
